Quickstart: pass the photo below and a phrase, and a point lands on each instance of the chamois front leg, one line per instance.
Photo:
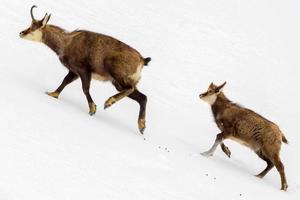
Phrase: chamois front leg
(70, 77)
(219, 140)
(86, 81)
(117, 97)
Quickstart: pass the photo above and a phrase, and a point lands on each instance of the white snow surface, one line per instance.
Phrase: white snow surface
(53, 150)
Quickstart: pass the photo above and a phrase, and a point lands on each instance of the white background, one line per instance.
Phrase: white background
(52, 149)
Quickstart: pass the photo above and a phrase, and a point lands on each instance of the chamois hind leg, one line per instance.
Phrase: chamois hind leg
(280, 167)
(270, 165)
(86, 81)
(69, 78)
(142, 100)
(219, 140)
(122, 71)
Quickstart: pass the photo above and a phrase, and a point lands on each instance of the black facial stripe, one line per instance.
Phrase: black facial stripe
(204, 94)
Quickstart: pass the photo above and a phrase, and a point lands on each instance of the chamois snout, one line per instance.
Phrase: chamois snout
(201, 95)
(21, 34)
(24, 33)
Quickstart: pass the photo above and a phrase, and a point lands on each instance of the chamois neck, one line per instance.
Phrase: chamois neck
(55, 38)
(221, 103)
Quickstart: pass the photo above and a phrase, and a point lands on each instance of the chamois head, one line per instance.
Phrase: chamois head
(212, 93)
(34, 32)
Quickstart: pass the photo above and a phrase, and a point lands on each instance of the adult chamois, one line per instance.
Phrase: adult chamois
(90, 55)
(246, 127)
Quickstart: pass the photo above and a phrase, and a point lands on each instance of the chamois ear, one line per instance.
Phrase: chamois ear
(211, 85)
(220, 88)
(45, 20)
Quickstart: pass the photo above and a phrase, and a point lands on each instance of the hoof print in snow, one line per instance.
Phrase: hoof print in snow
(164, 148)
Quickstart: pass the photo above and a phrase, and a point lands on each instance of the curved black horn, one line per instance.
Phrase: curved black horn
(34, 6)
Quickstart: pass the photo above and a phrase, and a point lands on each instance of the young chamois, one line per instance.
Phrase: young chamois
(90, 55)
(246, 127)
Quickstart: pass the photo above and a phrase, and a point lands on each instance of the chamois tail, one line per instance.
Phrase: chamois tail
(284, 140)
(147, 60)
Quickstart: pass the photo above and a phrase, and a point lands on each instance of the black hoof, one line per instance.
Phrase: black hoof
(91, 113)
(106, 106)
(142, 131)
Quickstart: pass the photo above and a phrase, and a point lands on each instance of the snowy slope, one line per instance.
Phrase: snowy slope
(52, 149)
